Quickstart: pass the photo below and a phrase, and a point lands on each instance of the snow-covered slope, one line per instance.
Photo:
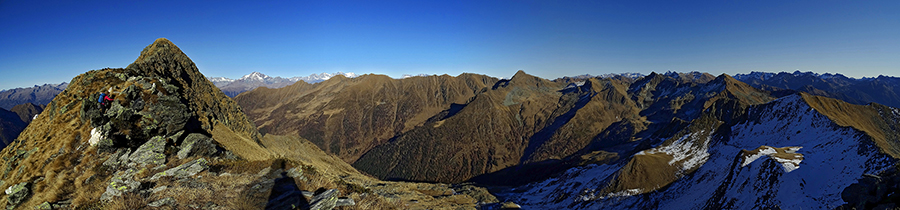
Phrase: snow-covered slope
(738, 170)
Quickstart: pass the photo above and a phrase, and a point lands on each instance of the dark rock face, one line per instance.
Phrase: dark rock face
(196, 144)
(874, 192)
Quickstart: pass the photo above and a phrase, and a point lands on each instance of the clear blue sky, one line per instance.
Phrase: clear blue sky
(53, 42)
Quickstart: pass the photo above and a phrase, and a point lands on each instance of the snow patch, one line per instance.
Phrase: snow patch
(684, 149)
(96, 135)
(753, 157)
(788, 164)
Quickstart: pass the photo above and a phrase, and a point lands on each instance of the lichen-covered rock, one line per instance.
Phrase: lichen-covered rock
(151, 152)
(184, 170)
(325, 201)
(118, 158)
(121, 182)
(196, 144)
(17, 193)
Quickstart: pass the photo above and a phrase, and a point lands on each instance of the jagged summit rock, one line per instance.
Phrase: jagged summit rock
(214, 109)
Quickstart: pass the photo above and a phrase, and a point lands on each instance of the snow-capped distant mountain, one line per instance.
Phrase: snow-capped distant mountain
(628, 76)
(404, 76)
(314, 78)
(233, 87)
(220, 81)
(256, 76)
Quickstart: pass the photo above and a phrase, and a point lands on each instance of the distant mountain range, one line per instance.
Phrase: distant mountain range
(39, 94)
(233, 87)
(882, 89)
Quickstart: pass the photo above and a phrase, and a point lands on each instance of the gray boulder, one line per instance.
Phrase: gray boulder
(196, 144)
(150, 152)
(121, 182)
(184, 170)
(18, 193)
(118, 158)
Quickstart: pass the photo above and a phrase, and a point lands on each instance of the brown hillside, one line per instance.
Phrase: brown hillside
(486, 135)
(604, 102)
(27, 111)
(348, 117)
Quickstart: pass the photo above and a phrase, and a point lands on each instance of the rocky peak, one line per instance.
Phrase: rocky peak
(162, 48)
(213, 108)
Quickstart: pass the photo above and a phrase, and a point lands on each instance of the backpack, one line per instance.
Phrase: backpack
(101, 97)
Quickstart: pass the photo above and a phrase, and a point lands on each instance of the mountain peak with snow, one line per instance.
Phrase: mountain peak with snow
(256, 76)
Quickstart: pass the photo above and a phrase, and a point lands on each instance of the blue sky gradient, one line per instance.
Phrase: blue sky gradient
(51, 42)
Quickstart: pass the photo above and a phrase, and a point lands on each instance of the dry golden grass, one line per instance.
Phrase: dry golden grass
(128, 201)
(241, 145)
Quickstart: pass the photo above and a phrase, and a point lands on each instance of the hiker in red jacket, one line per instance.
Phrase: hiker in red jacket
(103, 100)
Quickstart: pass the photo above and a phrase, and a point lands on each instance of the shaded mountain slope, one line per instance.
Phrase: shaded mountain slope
(10, 127)
(348, 117)
(784, 154)
(27, 111)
